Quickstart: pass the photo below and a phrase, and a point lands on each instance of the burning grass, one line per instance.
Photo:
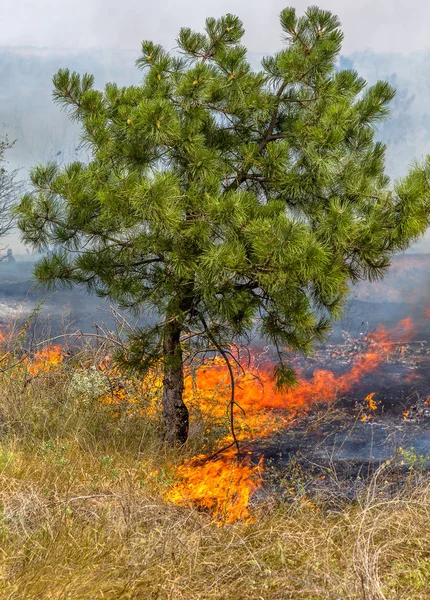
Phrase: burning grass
(83, 516)
(224, 484)
(218, 480)
(93, 506)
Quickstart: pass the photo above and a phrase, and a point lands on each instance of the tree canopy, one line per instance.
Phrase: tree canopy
(225, 199)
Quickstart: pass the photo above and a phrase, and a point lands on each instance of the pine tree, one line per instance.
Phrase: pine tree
(226, 200)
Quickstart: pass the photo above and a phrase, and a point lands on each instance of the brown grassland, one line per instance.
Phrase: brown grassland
(83, 515)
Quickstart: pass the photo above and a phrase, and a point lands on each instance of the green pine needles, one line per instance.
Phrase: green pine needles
(223, 199)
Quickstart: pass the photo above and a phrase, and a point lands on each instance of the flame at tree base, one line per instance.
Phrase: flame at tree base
(224, 485)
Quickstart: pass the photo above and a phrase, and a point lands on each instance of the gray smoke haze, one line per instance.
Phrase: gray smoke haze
(381, 26)
(383, 40)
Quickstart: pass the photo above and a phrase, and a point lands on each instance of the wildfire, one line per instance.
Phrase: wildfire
(371, 402)
(371, 405)
(224, 486)
(45, 360)
(134, 394)
(222, 483)
(255, 386)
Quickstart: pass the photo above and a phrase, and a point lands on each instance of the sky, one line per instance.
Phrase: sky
(378, 25)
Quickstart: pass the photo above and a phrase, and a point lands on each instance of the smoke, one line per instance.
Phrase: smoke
(43, 132)
(407, 130)
(384, 26)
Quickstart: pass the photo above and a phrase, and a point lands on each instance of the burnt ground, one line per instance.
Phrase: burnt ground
(333, 457)
(332, 451)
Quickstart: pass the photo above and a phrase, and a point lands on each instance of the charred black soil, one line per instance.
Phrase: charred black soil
(331, 451)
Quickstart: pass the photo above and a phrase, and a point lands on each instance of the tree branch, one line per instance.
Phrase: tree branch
(265, 140)
(230, 370)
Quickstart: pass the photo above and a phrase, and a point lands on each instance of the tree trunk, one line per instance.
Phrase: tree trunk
(175, 413)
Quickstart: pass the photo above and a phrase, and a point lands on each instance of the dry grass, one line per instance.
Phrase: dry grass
(82, 516)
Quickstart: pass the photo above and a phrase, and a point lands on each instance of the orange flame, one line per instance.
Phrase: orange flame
(256, 390)
(45, 360)
(224, 486)
(371, 405)
(137, 396)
